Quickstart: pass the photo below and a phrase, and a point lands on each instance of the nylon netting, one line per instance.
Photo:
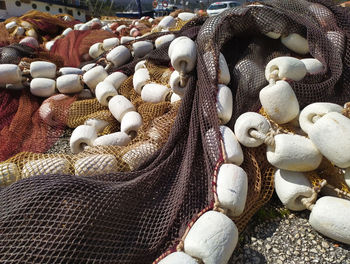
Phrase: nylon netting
(139, 208)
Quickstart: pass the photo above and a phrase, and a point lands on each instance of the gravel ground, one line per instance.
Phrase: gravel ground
(274, 235)
(277, 236)
(62, 145)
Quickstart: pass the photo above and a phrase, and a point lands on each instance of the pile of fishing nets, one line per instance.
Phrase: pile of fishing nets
(149, 102)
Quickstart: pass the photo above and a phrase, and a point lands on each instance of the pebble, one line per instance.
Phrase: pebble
(325, 244)
(276, 242)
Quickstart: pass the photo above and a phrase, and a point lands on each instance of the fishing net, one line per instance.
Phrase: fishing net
(22, 115)
(9, 105)
(140, 205)
(77, 43)
(5, 37)
(47, 25)
(33, 127)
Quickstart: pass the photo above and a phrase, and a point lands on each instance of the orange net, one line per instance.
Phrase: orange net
(35, 126)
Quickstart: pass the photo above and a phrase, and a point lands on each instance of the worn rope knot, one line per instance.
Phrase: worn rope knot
(217, 208)
(309, 202)
(346, 110)
(268, 138)
(180, 246)
(315, 118)
(182, 73)
(273, 77)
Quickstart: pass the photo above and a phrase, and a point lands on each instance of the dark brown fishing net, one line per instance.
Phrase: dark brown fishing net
(134, 217)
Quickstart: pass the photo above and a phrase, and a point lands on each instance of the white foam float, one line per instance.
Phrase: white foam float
(88, 66)
(140, 65)
(330, 216)
(10, 73)
(140, 79)
(273, 35)
(119, 105)
(121, 27)
(141, 48)
(15, 86)
(45, 166)
(42, 87)
(287, 67)
(175, 85)
(125, 39)
(119, 55)
(110, 43)
(232, 188)
(248, 122)
(212, 238)
(94, 76)
(116, 78)
(70, 83)
(43, 69)
(154, 93)
(186, 16)
(331, 135)
(160, 41)
(174, 98)
(294, 153)
(224, 103)
(8, 173)
(131, 122)
(96, 50)
(280, 102)
(296, 43)
(178, 258)
(84, 27)
(311, 113)
(70, 70)
(313, 66)
(233, 150)
(132, 31)
(49, 44)
(104, 92)
(96, 165)
(81, 137)
(19, 31)
(113, 139)
(139, 154)
(291, 187)
(66, 31)
(224, 73)
(98, 124)
(78, 26)
(167, 22)
(183, 54)
(31, 33)
(11, 26)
